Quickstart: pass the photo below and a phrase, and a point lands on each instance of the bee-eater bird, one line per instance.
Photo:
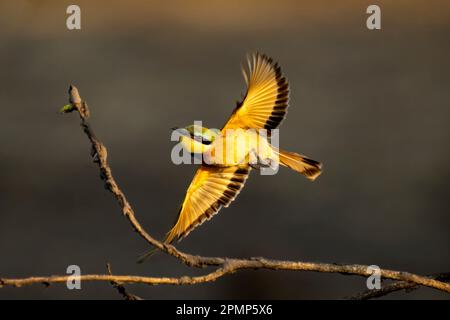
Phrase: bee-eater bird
(217, 182)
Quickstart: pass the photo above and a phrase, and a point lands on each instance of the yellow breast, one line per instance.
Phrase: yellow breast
(193, 146)
(235, 147)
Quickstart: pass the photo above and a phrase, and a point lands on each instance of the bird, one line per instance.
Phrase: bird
(219, 179)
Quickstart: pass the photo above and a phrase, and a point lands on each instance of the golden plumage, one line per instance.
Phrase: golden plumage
(263, 107)
(211, 189)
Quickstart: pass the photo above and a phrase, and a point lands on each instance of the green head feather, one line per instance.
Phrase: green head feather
(202, 132)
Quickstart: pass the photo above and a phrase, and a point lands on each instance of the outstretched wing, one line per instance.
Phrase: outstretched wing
(266, 101)
(211, 189)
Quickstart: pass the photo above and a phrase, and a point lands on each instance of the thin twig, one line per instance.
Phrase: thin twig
(99, 154)
(395, 287)
(120, 288)
(225, 265)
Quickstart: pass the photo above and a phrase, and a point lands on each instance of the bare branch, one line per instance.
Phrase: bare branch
(395, 287)
(224, 265)
(99, 155)
(120, 288)
(233, 265)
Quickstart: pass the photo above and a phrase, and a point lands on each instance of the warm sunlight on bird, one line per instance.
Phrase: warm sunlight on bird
(221, 177)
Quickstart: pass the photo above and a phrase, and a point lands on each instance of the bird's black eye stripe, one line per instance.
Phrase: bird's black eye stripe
(200, 139)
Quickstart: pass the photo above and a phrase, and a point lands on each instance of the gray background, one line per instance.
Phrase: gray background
(373, 106)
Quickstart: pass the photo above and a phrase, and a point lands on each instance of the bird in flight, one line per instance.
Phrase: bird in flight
(220, 178)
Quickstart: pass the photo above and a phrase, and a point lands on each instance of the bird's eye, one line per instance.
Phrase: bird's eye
(200, 138)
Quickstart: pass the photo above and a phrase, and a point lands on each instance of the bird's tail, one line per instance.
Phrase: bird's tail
(311, 169)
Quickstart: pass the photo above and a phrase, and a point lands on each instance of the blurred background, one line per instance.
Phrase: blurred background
(373, 106)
